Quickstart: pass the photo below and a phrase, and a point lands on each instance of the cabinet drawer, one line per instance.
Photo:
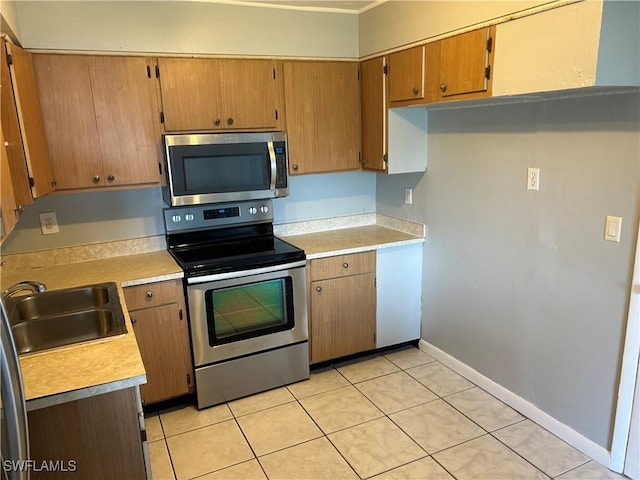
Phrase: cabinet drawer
(343, 265)
(151, 294)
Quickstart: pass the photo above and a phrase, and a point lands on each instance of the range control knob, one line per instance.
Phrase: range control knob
(253, 210)
(264, 209)
(189, 217)
(176, 219)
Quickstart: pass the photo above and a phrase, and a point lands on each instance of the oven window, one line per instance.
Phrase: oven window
(249, 310)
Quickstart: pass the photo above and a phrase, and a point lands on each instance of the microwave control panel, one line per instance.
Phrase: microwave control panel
(281, 164)
(196, 217)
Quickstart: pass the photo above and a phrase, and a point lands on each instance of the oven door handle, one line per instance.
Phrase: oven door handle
(272, 160)
(245, 273)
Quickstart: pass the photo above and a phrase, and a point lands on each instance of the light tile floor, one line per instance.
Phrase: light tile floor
(400, 415)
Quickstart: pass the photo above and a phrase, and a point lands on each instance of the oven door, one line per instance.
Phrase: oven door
(242, 313)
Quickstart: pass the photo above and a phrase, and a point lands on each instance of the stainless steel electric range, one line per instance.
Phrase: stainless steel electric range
(246, 298)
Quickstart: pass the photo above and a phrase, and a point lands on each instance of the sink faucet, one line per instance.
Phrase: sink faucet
(31, 285)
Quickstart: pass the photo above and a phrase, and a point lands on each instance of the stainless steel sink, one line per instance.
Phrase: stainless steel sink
(63, 317)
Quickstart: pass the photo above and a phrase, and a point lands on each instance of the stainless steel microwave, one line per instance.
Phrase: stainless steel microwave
(225, 167)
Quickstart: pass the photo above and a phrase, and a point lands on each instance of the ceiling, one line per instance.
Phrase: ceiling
(352, 6)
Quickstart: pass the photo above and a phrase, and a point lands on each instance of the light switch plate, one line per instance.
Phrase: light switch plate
(612, 228)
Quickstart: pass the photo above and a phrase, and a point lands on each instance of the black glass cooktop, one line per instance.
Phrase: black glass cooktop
(232, 249)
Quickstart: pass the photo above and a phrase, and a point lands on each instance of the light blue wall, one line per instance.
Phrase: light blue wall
(518, 284)
(107, 216)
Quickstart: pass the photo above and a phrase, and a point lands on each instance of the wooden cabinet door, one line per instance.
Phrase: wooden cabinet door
(343, 316)
(406, 75)
(8, 206)
(465, 63)
(127, 119)
(12, 136)
(34, 140)
(64, 84)
(159, 333)
(374, 114)
(191, 93)
(322, 110)
(249, 94)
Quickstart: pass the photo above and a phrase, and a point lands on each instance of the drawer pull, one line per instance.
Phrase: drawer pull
(149, 294)
(318, 289)
(345, 265)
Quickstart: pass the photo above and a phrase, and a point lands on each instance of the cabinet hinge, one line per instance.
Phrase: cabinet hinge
(276, 114)
(385, 69)
(274, 73)
(374, 338)
(160, 168)
(143, 435)
(148, 71)
(180, 314)
(157, 71)
(161, 117)
(358, 74)
(53, 183)
(9, 60)
(487, 72)
(489, 44)
(360, 158)
(32, 182)
(188, 379)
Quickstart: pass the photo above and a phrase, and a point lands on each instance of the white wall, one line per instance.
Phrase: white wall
(10, 19)
(520, 285)
(186, 27)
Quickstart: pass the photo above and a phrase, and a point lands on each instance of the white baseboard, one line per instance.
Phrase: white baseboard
(566, 433)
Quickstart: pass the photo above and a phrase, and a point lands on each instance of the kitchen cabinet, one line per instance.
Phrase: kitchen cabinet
(220, 94)
(102, 120)
(342, 305)
(373, 114)
(394, 140)
(99, 436)
(322, 107)
(406, 71)
(459, 67)
(8, 207)
(158, 316)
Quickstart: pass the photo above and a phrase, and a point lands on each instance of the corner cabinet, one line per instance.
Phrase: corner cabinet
(220, 94)
(342, 305)
(158, 316)
(322, 106)
(102, 120)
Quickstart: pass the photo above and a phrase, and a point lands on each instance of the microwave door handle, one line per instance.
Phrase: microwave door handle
(272, 159)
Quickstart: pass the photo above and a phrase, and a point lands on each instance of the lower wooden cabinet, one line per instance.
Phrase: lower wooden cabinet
(158, 316)
(94, 437)
(342, 305)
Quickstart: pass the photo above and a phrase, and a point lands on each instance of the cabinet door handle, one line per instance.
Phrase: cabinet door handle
(96, 179)
(318, 289)
(149, 294)
(415, 90)
(345, 265)
(443, 88)
(216, 122)
(111, 178)
(229, 121)
(133, 321)
(295, 166)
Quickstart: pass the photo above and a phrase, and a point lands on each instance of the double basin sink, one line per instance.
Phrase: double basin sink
(57, 318)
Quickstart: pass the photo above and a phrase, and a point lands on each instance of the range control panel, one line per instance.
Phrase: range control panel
(197, 217)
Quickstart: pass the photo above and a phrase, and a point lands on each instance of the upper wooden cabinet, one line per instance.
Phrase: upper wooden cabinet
(322, 105)
(220, 94)
(459, 67)
(102, 119)
(374, 114)
(406, 71)
(23, 129)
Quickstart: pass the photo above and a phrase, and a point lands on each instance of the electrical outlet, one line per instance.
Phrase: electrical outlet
(408, 196)
(49, 223)
(533, 178)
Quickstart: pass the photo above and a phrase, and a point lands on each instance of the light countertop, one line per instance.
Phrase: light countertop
(90, 368)
(350, 240)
